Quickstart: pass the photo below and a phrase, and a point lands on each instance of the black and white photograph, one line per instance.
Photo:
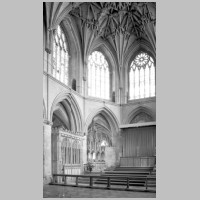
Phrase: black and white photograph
(99, 99)
(94, 105)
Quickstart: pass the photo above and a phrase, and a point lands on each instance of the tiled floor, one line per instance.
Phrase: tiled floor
(52, 191)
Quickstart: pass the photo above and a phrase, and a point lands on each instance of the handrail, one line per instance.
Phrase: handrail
(95, 176)
(137, 157)
(108, 178)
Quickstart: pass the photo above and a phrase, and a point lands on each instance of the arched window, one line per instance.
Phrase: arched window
(98, 76)
(60, 56)
(142, 77)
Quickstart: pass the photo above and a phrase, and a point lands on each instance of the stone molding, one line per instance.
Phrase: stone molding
(139, 101)
(68, 133)
(78, 94)
(47, 122)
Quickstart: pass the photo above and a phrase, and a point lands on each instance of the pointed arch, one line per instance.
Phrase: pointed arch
(140, 109)
(108, 114)
(107, 50)
(69, 102)
(111, 56)
(136, 48)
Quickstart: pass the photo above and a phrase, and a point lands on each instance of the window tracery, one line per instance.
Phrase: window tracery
(98, 76)
(142, 77)
(60, 58)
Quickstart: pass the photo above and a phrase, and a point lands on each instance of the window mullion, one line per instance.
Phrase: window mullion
(60, 63)
(100, 81)
(155, 78)
(144, 81)
(89, 81)
(149, 81)
(64, 70)
(133, 84)
(95, 80)
(99, 85)
(105, 83)
(109, 83)
(139, 82)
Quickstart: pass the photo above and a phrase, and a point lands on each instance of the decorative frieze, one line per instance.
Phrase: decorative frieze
(68, 133)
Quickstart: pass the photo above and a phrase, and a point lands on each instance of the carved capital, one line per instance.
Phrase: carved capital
(47, 122)
(48, 50)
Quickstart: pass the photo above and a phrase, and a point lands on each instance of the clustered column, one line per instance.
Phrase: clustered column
(47, 170)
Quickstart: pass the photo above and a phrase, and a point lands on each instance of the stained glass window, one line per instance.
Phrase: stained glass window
(142, 77)
(60, 56)
(98, 76)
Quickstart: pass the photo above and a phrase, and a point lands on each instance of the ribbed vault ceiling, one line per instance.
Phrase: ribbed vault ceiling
(116, 24)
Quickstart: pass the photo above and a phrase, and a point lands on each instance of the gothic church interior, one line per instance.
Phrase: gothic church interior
(99, 86)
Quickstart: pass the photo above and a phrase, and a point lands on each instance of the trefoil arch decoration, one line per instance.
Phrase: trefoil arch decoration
(60, 56)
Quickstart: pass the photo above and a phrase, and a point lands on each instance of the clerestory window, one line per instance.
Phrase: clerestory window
(98, 76)
(142, 77)
(60, 56)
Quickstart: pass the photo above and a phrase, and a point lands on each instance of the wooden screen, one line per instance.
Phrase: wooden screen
(139, 141)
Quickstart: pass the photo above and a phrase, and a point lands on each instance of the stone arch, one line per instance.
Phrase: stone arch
(135, 49)
(70, 104)
(138, 110)
(110, 57)
(108, 52)
(108, 114)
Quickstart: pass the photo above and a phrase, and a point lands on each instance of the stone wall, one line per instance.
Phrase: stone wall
(110, 156)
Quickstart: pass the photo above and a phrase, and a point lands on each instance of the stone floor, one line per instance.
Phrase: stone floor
(54, 191)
